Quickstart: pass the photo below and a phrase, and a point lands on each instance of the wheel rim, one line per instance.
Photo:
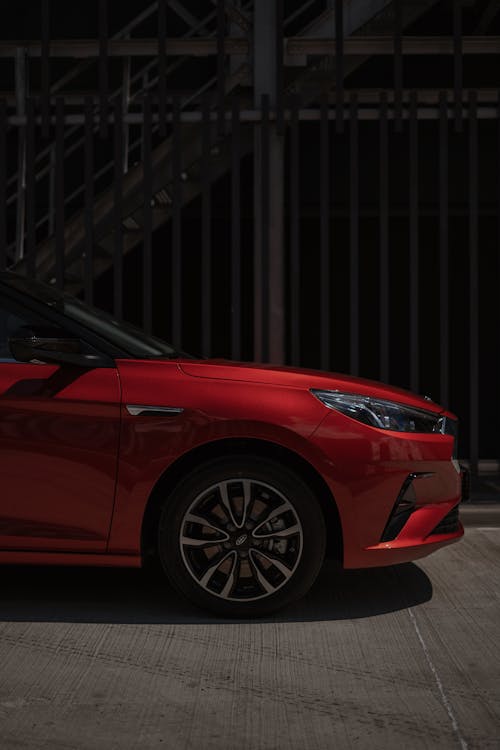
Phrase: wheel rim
(241, 540)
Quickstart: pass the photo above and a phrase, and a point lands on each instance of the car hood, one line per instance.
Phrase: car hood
(302, 378)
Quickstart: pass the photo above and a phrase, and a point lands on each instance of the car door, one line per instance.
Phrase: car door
(59, 437)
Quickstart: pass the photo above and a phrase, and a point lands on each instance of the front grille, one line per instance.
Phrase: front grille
(449, 524)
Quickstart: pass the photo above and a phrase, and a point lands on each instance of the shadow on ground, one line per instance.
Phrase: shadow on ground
(42, 594)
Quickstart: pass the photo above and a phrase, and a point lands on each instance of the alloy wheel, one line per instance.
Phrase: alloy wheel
(241, 539)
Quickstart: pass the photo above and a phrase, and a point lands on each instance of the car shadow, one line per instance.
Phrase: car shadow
(128, 596)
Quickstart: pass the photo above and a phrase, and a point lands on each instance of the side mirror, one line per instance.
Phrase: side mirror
(52, 345)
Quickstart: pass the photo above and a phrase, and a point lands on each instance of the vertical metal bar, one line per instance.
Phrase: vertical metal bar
(264, 47)
(176, 226)
(294, 233)
(264, 192)
(384, 238)
(276, 323)
(162, 65)
(52, 190)
(21, 91)
(414, 243)
(59, 192)
(206, 235)
(457, 62)
(103, 68)
(3, 182)
(221, 84)
(331, 214)
(473, 285)
(117, 211)
(324, 170)
(30, 189)
(279, 68)
(339, 65)
(126, 64)
(236, 230)
(45, 65)
(444, 333)
(147, 219)
(354, 235)
(498, 221)
(498, 171)
(89, 200)
(398, 67)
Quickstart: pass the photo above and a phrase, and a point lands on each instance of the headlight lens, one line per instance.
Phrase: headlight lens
(386, 415)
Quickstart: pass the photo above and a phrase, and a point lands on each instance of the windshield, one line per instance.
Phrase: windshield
(122, 335)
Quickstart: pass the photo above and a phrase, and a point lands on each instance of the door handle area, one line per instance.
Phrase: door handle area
(136, 410)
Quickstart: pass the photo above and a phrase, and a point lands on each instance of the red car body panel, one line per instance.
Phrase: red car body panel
(214, 410)
(93, 466)
(363, 467)
(59, 440)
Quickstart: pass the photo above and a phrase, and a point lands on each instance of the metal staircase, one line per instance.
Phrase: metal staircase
(162, 176)
(131, 92)
(359, 18)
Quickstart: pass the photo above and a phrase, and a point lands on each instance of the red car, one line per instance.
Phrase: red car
(115, 447)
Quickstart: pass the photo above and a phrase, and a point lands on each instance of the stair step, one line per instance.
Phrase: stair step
(131, 225)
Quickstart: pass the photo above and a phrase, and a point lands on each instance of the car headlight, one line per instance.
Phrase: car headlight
(386, 415)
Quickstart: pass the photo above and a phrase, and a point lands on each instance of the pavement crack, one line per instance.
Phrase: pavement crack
(444, 698)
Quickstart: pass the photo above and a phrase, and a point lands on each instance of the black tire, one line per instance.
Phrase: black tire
(264, 564)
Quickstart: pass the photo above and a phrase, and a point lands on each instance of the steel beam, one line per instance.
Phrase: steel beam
(365, 96)
(85, 48)
(487, 111)
(384, 45)
(205, 47)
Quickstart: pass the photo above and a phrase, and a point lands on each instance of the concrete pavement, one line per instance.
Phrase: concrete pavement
(369, 659)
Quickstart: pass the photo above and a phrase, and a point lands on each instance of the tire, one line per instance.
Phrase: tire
(242, 536)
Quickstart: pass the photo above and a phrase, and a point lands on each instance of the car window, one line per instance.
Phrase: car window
(123, 336)
(13, 317)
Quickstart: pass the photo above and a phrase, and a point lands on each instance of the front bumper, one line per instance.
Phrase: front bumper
(414, 540)
(368, 469)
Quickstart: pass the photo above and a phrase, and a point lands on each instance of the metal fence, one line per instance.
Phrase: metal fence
(261, 204)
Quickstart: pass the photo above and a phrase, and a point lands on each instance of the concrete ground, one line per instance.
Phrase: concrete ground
(398, 657)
